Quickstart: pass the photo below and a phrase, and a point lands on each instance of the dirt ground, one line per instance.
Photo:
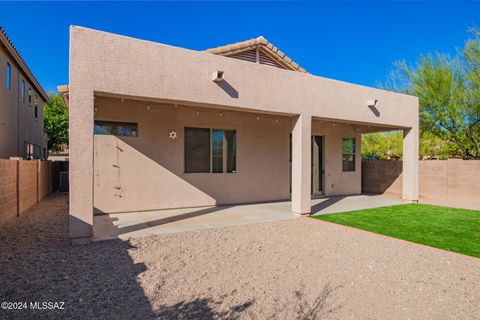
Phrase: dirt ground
(293, 269)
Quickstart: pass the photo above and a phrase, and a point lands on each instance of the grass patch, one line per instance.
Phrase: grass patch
(451, 229)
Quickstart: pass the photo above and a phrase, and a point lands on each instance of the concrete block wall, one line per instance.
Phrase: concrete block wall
(44, 179)
(382, 177)
(8, 189)
(22, 185)
(453, 180)
(28, 184)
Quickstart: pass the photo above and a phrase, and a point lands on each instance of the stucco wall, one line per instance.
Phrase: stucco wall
(17, 117)
(337, 182)
(147, 172)
(115, 64)
(104, 64)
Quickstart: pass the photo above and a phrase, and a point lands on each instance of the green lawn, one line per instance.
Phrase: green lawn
(456, 230)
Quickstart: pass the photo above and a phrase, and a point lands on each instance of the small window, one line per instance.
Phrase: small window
(348, 154)
(221, 159)
(119, 129)
(36, 111)
(29, 95)
(8, 75)
(23, 90)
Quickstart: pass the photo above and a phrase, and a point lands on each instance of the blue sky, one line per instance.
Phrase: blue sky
(349, 41)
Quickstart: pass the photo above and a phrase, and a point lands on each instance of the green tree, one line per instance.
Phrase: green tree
(382, 145)
(55, 122)
(448, 89)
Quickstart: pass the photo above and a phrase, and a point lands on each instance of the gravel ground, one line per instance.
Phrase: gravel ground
(295, 269)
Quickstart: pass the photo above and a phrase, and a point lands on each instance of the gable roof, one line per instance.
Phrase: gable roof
(273, 54)
(8, 44)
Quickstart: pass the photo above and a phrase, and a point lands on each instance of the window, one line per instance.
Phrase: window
(36, 106)
(29, 95)
(120, 129)
(8, 75)
(28, 151)
(221, 159)
(348, 154)
(23, 90)
(223, 151)
(197, 150)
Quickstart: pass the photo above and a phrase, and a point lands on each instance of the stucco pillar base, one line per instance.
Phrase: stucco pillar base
(301, 164)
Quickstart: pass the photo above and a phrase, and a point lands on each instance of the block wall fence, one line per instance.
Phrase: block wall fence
(23, 184)
(452, 180)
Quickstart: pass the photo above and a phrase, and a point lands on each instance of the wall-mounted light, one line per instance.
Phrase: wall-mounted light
(372, 103)
(217, 76)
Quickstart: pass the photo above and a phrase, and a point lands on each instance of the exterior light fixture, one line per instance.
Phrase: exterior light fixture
(372, 103)
(217, 76)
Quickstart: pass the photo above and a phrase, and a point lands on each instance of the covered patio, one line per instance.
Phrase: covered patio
(138, 224)
(198, 130)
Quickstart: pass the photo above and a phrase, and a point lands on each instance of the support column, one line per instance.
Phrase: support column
(301, 164)
(410, 164)
(81, 117)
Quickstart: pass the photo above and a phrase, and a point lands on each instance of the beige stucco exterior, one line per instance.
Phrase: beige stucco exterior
(18, 124)
(165, 88)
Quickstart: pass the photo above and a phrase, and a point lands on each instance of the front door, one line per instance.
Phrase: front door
(317, 165)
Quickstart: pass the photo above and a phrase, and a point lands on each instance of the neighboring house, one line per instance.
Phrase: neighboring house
(154, 127)
(21, 106)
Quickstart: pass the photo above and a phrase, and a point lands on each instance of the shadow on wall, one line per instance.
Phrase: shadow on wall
(131, 179)
(225, 86)
(382, 176)
(375, 111)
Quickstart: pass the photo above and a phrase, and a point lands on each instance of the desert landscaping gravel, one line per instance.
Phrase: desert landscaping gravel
(293, 269)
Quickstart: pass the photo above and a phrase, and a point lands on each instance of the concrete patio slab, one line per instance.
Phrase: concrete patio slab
(134, 224)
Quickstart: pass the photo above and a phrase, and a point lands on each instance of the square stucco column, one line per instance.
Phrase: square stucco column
(410, 164)
(81, 115)
(301, 164)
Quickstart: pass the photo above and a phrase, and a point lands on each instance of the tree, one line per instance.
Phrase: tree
(382, 145)
(449, 93)
(55, 123)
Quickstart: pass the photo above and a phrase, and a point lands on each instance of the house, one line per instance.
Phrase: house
(21, 106)
(154, 126)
